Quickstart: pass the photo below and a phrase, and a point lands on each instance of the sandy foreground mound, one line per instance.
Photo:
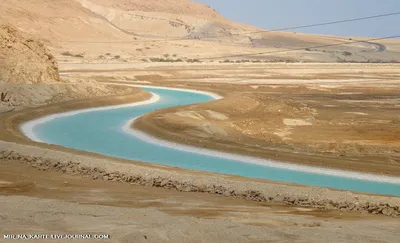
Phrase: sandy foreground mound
(23, 59)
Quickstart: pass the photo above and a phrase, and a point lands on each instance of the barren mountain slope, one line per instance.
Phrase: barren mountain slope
(137, 30)
(185, 7)
(56, 20)
(79, 19)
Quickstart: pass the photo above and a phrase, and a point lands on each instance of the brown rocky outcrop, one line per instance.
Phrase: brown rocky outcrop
(24, 59)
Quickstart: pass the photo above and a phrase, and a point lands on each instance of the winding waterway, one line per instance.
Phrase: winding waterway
(106, 131)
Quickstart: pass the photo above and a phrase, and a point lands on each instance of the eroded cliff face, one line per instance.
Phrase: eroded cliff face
(184, 7)
(29, 74)
(24, 59)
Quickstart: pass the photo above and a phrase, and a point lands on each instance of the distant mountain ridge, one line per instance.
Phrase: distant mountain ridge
(133, 30)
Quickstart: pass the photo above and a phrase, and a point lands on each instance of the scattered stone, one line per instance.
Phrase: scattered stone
(252, 195)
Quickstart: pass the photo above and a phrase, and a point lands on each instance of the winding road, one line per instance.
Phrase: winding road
(378, 47)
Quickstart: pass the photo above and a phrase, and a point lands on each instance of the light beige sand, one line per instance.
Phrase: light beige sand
(126, 224)
(76, 205)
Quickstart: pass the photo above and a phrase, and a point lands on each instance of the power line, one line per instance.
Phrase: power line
(264, 53)
(326, 23)
(303, 48)
(300, 49)
(252, 32)
(280, 51)
(274, 30)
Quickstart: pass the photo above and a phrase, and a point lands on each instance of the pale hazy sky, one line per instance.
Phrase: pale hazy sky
(274, 14)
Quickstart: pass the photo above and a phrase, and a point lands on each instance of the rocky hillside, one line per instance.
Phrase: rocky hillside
(29, 74)
(118, 19)
(184, 7)
(145, 30)
(24, 59)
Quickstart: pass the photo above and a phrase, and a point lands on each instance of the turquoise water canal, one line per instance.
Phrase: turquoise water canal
(102, 131)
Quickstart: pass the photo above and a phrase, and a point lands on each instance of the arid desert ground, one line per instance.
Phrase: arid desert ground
(335, 107)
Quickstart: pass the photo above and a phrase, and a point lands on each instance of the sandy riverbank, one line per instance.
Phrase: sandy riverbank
(325, 115)
(72, 204)
(173, 178)
(191, 181)
(82, 186)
